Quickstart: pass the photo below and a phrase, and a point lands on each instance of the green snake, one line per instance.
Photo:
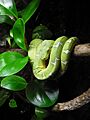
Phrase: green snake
(48, 56)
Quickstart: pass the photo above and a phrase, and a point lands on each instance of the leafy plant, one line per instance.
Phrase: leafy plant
(41, 94)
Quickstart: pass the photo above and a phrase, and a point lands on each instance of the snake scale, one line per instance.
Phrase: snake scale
(49, 56)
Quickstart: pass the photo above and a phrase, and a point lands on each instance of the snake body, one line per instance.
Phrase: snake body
(49, 56)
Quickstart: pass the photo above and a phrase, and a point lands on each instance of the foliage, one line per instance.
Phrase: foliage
(9, 63)
(44, 95)
(41, 94)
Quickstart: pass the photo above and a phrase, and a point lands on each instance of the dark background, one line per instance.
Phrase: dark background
(66, 17)
(70, 18)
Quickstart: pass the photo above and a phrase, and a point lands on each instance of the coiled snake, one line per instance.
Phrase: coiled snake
(49, 56)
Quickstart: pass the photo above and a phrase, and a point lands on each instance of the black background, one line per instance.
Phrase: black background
(70, 18)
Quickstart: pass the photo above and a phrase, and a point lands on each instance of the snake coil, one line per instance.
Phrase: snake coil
(49, 56)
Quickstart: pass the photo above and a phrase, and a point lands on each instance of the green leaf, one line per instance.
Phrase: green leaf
(29, 10)
(11, 63)
(14, 83)
(8, 7)
(42, 94)
(6, 19)
(19, 32)
(41, 113)
(41, 32)
(4, 95)
(12, 103)
(11, 33)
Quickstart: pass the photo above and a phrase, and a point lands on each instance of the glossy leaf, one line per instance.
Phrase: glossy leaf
(19, 32)
(11, 63)
(11, 33)
(8, 7)
(29, 10)
(5, 19)
(14, 83)
(42, 94)
(4, 95)
(41, 113)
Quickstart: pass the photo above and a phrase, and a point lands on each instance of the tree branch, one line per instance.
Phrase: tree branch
(75, 103)
(82, 50)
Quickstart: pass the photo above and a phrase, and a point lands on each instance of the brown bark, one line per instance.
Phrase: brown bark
(75, 103)
(82, 50)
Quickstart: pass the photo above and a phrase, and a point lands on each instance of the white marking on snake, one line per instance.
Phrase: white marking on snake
(64, 62)
(57, 59)
(57, 45)
(66, 51)
(69, 41)
(54, 63)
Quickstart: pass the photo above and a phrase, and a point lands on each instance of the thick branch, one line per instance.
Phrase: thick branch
(82, 50)
(75, 103)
